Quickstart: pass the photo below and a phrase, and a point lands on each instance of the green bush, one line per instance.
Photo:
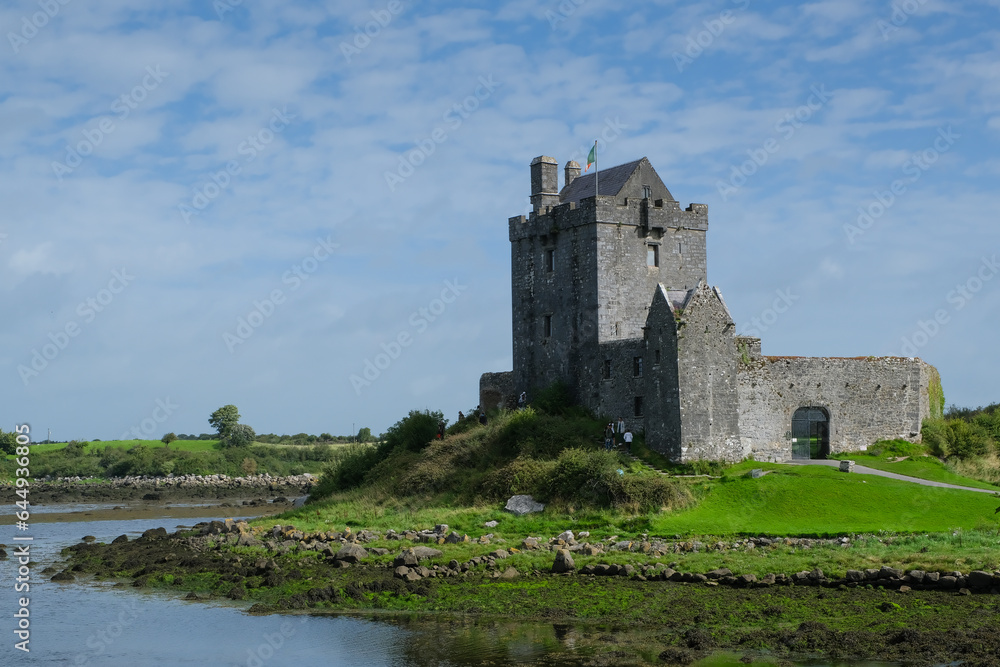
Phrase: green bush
(347, 469)
(934, 434)
(238, 435)
(523, 475)
(896, 447)
(413, 432)
(8, 442)
(968, 440)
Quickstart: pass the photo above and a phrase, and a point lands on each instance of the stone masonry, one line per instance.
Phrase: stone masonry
(610, 297)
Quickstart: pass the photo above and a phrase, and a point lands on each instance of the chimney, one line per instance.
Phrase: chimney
(544, 182)
(572, 171)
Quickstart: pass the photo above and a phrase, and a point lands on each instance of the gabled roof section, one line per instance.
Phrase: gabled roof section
(611, 181)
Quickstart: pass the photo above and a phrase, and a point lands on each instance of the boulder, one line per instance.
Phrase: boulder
(121, 539)
(566, 536)
(563, 563)
(719, 573)
(847, 466)
(521, 505)
(491, 524)
(407, 558)
(509, 573)
(351, 553)
(979, 579)
(423, 553)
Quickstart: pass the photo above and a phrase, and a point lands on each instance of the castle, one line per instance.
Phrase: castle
(610, 297)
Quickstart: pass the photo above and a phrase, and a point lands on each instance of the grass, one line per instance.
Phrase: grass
(921, 467)
(178, 445)
(817, 500)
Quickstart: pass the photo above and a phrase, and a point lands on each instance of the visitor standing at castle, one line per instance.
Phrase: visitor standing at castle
(482, 415)
(620, 427)
(609, 436)
(522, 400)
(628, 440)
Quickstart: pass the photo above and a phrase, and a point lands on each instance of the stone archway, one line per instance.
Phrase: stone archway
(810, 433)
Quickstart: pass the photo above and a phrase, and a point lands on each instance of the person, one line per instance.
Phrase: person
(620, 427)
(482, 416)
(460, 416)
(609, 436)
(628, 440)
(441, 429)
(522, 400)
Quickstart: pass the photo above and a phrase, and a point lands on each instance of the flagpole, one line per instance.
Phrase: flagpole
(597, 168)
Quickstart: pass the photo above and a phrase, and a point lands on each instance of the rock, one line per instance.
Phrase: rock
(854, 575)
(887, 572)
(566, 536)
(591, 549)
(948, 582)
(980, 580)
(509, 573)
(719, 573)
(154, 533)
(521, 505)
(63, 576)
(89, 538)
(401, 572)
(756, 473)
(424, 553)
(916, 576)
(847, 466)
(248, 540)
(455, 538)
(121, 539)
(530, 543)
(407, 558)
(491, 524)
(905, 589)
(563, 562)
(217, 527)
(351, 553)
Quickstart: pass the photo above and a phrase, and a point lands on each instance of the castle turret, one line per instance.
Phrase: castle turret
(544, 182)
(572, 171)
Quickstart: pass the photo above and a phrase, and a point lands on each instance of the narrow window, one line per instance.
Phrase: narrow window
(646, 192)
(607, 369)
(680, 248)
(652, 255)
(637, 367)
(550, 261)
(638, 406)
(656, 357)
(548, 326)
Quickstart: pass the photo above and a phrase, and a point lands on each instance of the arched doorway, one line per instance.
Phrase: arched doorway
(810, 433)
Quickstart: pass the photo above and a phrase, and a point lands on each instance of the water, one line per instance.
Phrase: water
(106, 624)
(94, 623)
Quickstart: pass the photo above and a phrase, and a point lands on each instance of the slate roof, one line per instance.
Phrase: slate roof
(610, 182)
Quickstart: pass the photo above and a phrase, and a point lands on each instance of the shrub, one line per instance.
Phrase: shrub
(523, 475)
(934, 434)
(168, 438)
(249, 466)
(968, 440)
(347, 469)
(413, 432)
(8, 442)
(554, 399)
(239, 435)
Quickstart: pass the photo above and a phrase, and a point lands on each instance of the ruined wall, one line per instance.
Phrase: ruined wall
(867, 399)
(663, 416)
(496, 390)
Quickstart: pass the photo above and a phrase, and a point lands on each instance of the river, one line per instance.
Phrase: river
(93, 623)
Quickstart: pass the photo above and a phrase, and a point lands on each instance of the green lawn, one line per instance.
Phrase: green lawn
(922, 467)
(179, 445)
(818, 500)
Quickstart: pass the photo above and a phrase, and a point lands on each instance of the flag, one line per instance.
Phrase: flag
(592, 158)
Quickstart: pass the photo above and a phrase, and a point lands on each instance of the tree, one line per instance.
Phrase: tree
(365, 435)
(239, 435)
(8, 442)
(224, 419)
(168, 438)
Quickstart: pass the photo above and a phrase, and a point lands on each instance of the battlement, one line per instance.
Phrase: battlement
(657, 215)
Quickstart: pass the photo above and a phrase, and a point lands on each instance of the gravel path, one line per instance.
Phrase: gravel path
(865, 470)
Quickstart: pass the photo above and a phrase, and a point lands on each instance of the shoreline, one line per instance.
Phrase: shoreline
(875, 614)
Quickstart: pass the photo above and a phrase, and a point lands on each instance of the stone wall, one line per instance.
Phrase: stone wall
(497, 390)
(867, 399)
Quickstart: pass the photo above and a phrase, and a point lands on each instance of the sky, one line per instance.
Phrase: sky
(301, 208)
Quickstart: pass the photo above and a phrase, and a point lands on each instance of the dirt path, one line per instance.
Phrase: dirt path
(865, 470)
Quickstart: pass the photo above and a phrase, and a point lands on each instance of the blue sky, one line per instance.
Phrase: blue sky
(248, 202)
